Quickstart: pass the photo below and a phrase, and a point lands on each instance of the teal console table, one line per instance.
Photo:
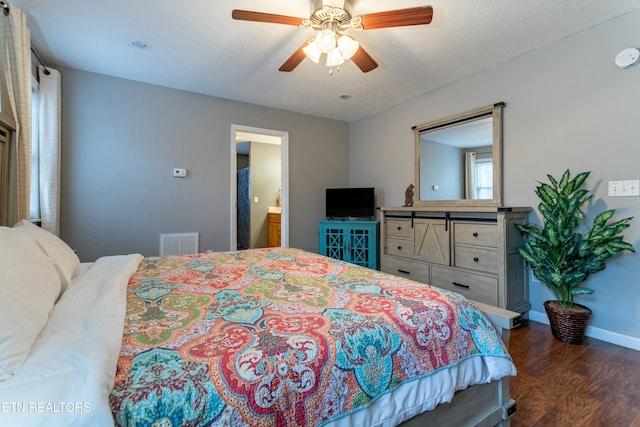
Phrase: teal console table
(352, 241)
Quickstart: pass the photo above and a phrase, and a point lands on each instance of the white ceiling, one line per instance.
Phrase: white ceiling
(477, 133)
(197, 47)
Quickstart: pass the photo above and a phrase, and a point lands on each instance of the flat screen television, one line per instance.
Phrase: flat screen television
(350, 202)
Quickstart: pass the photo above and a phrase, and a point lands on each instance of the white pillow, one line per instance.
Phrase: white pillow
(65, 258)
(29, 287)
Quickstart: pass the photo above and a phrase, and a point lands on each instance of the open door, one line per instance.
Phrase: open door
(252, 202)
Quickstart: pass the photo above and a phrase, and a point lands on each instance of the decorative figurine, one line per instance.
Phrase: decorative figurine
(408, 196)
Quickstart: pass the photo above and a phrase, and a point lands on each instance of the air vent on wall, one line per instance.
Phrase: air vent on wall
(179, 244)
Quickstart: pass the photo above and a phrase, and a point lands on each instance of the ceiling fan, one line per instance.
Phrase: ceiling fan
(330, 19)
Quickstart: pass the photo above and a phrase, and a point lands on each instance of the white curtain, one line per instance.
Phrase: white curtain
(470, 175)
(16, 55)
(49, 148)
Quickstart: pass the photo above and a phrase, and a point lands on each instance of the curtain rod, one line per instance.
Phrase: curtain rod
(6, 10)
(47, 72)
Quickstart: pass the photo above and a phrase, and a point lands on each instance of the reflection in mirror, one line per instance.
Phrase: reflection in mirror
(458, 159)
(457, 162)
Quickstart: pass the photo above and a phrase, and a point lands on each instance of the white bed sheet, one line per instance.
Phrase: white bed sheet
(424, 394)
(68, 376)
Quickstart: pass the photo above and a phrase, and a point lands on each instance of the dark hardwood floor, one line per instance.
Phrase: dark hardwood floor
(592, 384)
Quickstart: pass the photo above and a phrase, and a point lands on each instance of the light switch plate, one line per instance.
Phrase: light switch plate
(624, 188)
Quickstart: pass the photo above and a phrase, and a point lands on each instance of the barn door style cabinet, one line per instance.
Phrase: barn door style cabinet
(470, 252)
(352, 241)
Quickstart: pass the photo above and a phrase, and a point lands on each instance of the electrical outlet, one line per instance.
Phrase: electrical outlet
(624, 188)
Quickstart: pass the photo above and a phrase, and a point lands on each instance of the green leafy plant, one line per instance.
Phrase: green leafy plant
(560, 255)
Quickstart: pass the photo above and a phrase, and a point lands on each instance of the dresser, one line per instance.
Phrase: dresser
(352, 241)
(470, 252)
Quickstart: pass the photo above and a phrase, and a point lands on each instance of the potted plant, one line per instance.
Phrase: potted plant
(564, 252)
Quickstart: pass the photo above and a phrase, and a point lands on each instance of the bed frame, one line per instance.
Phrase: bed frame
(480, 405)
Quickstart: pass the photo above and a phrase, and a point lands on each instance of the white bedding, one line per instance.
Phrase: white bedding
(424, 394)
(68, 376)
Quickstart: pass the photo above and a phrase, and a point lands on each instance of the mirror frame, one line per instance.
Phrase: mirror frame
(494, 111)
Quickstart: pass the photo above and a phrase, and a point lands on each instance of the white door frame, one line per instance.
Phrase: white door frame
(284, 176)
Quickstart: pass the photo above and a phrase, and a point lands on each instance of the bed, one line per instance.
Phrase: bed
(266, 337)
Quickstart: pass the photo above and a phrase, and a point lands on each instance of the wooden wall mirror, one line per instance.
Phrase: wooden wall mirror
(458, 159)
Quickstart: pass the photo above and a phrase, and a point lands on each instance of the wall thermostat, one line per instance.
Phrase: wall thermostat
(179, 172)
(627, 57)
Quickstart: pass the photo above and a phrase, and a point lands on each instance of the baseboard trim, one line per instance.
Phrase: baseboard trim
(597, 333)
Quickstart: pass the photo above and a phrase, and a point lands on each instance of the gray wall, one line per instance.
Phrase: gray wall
(121, 139)
(445, 168)
(567, 106)
(266, 176)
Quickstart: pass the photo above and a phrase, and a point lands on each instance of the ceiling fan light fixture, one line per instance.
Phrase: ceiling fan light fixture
(326, 40)
(311, 51)
(331, 19)
(348, 46)
(334, 58)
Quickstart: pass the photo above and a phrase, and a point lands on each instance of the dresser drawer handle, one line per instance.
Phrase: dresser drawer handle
(475, 234)
(404, 271)
(476, 259)
(399, 228)
(460, 285)
(399, 248)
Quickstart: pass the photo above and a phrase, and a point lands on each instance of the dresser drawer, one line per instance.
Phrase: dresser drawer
(399, 228)
(476, 258)
(399, 247)
(476, 234)
(413, 270)
(473, 286)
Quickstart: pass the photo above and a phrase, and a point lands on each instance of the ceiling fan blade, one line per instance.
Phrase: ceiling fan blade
(398, 18)
(294, 60)
(248, 15)
(364, 61)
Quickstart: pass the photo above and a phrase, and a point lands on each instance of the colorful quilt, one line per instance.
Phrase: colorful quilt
(280, 337)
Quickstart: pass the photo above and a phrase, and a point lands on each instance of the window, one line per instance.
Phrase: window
(484, 175)
(34, 201)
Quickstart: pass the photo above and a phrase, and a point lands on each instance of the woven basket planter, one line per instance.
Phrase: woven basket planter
(568, 324)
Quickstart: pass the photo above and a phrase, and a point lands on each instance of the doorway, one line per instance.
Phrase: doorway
(252, 206)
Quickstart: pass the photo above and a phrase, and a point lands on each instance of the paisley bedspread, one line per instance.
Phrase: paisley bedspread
(281, 337)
